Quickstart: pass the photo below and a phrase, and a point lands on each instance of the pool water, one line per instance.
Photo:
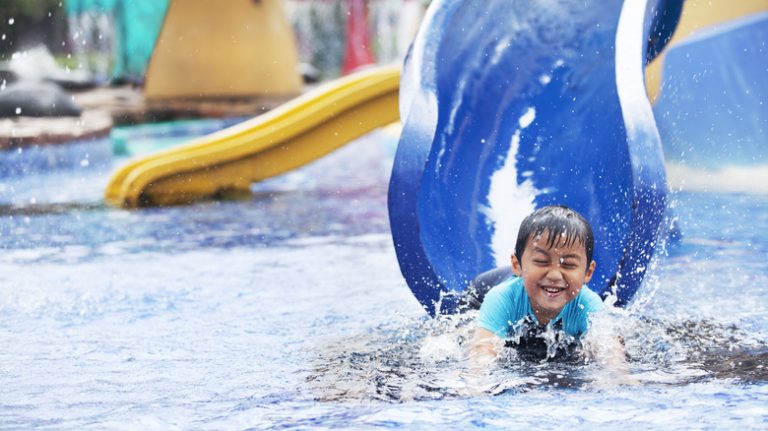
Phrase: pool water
(142, 139)
(288, 311)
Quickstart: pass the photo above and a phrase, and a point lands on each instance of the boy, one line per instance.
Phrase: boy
(553, 262)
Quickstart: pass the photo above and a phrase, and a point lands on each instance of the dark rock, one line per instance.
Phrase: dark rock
(36, 99)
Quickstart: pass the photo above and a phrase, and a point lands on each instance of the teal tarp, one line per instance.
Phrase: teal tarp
(137, 25)
(81, 6)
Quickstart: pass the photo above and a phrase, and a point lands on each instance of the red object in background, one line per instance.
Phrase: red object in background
(357, 51)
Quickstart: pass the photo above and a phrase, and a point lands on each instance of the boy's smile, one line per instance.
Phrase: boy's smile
(552, 276)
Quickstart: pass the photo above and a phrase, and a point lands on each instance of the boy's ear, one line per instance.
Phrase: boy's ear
(590, 271)
(516, 267)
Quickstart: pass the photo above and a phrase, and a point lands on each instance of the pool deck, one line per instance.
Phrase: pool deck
(127, 105)
(26, 131)
(105, 107)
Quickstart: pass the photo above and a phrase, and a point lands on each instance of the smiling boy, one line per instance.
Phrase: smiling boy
(553, 262)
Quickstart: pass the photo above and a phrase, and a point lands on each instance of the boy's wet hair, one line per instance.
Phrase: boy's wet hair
(562, 223)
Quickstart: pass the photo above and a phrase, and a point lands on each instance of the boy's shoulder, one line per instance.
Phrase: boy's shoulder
(512, 290)
(507, 298)
(509, 289)
(502, 306)
(576, 313)
(587, 300)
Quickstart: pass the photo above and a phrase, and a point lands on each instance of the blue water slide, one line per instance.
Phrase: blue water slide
(712, 110)
(508, 106)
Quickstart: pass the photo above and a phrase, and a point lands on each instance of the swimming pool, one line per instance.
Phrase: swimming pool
(288, 310)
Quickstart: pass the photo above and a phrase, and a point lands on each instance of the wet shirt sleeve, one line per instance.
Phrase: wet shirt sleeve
(585, 304)
(497, 310)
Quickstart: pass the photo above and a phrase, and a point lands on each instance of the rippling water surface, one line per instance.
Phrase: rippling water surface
(288, 311)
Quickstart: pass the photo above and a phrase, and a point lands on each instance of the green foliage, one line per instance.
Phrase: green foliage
(328, 29)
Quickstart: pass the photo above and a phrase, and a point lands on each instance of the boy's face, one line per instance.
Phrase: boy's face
(552, 276)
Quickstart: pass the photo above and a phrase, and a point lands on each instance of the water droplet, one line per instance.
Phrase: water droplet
(527, 118)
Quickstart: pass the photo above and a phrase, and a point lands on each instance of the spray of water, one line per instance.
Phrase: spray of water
(431, 359)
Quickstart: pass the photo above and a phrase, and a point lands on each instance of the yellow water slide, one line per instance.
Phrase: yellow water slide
(298, 132)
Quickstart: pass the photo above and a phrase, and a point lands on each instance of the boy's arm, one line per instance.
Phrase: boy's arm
(613, 358)
(602, 341)
(484, 348)
(493, 320)
(609, 352)
(608, 349)
(482, 352)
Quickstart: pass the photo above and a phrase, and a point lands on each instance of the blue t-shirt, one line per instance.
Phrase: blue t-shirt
(507, 305)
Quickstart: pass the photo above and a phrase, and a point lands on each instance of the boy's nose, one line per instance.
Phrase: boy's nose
(554, 274)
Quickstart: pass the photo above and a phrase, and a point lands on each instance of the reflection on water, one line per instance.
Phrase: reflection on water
(45, 209)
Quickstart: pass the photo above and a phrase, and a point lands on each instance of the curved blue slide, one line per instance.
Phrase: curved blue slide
(508, 106)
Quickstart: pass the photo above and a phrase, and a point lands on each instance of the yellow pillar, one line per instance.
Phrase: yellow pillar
(225, 48)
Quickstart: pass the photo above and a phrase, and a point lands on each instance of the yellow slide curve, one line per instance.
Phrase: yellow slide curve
(296, 133)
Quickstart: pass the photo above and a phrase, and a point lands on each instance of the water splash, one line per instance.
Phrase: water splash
(430, 359)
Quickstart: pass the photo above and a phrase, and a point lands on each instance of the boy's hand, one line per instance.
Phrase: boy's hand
(610, 354)
(484, 350)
